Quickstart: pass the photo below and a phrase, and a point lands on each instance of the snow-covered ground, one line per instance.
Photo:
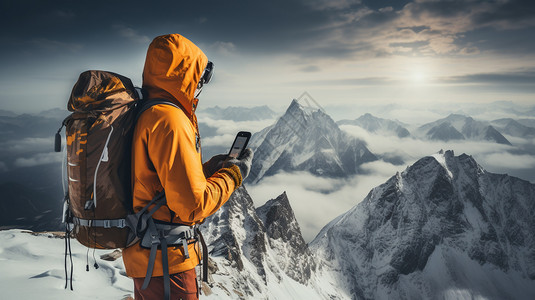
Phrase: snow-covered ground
(32, 267)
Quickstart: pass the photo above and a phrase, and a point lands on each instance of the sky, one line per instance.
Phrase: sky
(344, 53)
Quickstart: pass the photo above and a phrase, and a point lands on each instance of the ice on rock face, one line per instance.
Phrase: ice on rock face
(442, 215)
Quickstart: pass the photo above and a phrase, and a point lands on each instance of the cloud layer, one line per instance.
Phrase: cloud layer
(38, 159)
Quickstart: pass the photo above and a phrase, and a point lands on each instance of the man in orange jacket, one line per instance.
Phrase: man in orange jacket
(166, 155)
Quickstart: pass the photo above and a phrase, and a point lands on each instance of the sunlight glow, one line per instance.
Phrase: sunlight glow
(418, 76)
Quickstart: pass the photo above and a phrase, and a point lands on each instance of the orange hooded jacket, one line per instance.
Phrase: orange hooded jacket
(166, 152)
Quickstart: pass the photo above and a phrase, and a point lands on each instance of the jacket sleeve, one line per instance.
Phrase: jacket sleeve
(172, 146)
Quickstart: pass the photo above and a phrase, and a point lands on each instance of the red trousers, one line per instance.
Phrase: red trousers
(183, 287)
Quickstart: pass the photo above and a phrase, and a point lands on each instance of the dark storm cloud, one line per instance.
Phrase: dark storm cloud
(512, 13)
(263, 26)
(336, 29)
(443, 9)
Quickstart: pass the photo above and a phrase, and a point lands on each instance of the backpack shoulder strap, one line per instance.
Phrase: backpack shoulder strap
(148, 103)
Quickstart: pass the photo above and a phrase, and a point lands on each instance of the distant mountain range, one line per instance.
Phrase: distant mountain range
(454, 127)
(240, 113)
(378, 125)
(459, 127)
(303, 139)
(31, 198)
(520, 128)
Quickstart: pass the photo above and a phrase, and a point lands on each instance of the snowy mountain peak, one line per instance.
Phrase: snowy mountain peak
(443, 225)
(306, 139)
(304, 106)
(442, 158)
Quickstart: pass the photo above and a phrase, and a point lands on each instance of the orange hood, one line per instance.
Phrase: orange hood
(173, 68)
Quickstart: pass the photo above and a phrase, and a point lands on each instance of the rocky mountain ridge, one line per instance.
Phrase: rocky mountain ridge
(427, 230)
(254, 245)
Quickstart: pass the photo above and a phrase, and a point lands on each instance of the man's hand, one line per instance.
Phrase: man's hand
(243, 162)
(213, 165)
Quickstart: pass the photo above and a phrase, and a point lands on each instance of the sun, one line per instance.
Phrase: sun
(416, 70)
(418, 76)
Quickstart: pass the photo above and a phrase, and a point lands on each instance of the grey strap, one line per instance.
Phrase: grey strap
(165, 267)
(158, 197)
(204, 256)
(141, 218)
(119, 223)
(174, 234)
(155, 241)
(148, 103)
(185, 246)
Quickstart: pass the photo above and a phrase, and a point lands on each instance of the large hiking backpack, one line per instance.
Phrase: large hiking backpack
(98, 208)
(99, 141)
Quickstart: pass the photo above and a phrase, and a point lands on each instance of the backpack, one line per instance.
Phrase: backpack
(98, 169)
(98, 208)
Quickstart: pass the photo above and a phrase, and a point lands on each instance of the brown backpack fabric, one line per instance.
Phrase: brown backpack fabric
(99, 140)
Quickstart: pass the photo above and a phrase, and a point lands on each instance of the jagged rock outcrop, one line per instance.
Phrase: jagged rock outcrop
(285, 239)
(251, 250)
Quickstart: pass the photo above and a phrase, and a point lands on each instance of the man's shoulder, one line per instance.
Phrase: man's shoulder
(162, 114)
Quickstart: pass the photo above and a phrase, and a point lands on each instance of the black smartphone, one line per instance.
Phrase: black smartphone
(240, 143)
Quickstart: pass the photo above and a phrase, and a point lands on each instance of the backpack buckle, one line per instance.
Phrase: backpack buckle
(107, 223)
(121, 223)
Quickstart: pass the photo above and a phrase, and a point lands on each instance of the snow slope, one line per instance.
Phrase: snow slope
(253, 256)
(32, 267)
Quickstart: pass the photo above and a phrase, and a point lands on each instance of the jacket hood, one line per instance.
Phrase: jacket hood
(173, 68)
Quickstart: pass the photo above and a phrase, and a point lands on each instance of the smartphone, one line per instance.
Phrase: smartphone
(240, 143)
